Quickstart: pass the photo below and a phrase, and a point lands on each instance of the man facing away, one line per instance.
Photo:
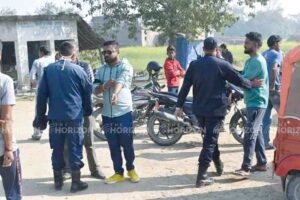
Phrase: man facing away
(208, 76)
(113, 79)
(94, 166)
(173, 70)
(274, 60)
(36, 74)
(10, 167)
(256, 101)
(67, 89)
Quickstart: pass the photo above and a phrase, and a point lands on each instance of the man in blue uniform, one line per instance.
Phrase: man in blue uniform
(67, 89)
(208, 77)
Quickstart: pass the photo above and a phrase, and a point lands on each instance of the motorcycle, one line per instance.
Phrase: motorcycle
(238, 120)
(165, 129)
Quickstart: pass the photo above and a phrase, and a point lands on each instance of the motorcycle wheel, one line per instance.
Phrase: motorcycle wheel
(97, 125)
(237, 126)
(160, 136)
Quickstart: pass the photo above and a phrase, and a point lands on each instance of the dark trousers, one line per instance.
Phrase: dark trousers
(253, 140)
(119, 133)
(12, 178)
(210, 150)
(89, 147)
(72, 132)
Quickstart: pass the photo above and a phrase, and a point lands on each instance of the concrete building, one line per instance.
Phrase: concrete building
(144, 36)
(23, 35)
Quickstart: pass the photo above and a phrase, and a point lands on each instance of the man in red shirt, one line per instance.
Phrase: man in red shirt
(173, 70)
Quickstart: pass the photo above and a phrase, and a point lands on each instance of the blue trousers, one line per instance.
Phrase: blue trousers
(119, 134)
(267, 121)
(253, 140)
(12, 178)
(173, 90)
(73, 133)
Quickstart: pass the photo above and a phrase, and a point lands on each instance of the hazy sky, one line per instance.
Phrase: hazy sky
(29, 6)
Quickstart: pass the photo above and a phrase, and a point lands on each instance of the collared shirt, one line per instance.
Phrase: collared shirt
(121, 73)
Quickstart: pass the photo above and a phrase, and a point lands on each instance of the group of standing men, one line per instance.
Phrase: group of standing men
(66, 88)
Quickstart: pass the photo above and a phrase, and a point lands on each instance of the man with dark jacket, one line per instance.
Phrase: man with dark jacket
(208, 77)
(67, 89)
(94, 167)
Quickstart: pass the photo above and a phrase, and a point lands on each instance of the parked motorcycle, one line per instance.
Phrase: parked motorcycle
(165, 129)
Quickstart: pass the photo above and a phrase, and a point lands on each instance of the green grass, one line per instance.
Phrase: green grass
(140, 56)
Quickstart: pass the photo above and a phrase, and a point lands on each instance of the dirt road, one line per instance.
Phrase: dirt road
(167, 173)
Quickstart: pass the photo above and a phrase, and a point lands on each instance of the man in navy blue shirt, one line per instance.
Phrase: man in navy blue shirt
(208, 76)
(67, 90)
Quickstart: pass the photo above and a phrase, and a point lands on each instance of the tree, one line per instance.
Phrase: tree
(188, 17)
(7, 12)
(49, 8)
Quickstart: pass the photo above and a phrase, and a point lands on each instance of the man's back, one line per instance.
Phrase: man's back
(68, 89)
(208, 76)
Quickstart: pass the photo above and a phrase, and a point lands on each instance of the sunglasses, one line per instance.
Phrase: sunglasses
(107, 52)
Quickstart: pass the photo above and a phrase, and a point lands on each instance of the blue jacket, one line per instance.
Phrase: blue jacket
(68, 89)
(208, 76)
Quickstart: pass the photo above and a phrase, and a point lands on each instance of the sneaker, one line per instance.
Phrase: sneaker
(259, 168)
(98, 174)
(134, 178)
(242, 173)
(36, 136)
(114, 179)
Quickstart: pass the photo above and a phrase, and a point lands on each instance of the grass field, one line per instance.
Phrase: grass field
(140, 56)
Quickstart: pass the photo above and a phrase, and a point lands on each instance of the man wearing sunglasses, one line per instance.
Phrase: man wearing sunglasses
(113, 79)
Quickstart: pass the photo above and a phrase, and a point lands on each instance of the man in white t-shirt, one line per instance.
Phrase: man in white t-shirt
(10, 168)
(36, 74)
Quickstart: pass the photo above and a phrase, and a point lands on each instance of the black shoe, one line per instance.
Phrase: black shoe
(219, 165)
(98, 174)
(58, 180)
(77, 184)
(202, 178)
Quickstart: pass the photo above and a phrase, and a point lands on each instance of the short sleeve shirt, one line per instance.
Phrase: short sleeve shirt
(7, 97)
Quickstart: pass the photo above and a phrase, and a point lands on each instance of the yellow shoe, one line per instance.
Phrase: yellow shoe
(114, 179)
(134, 178)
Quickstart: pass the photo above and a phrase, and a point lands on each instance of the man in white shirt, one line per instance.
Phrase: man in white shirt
(36, 74)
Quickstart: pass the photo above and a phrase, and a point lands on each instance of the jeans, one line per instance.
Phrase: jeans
(12, 178)
(173, 90)
(71, 132)
(267, 120)
(210, 150)
(253, 141)
(119, 134)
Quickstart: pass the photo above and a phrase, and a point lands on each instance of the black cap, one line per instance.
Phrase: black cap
(210, 43)
(273, 39)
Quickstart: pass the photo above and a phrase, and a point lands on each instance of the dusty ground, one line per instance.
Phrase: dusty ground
(167, 172)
